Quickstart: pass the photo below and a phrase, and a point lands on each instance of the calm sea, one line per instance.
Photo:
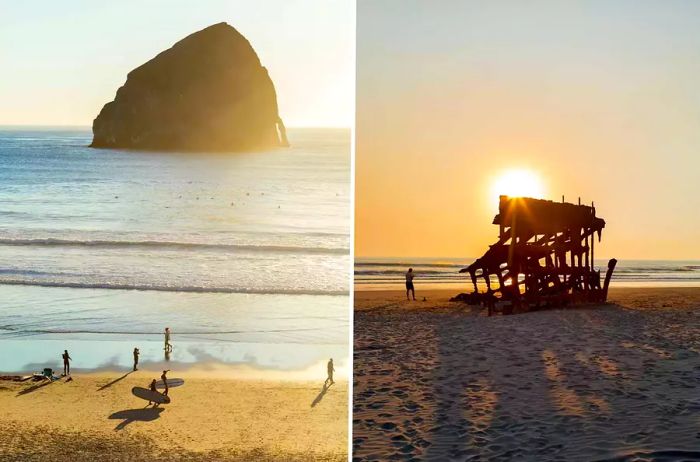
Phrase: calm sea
(240, 255)
(389, 273)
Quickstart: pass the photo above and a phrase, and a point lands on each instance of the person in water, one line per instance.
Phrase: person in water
(331, 369)
(409, 284)
(136, 358)
(168, 345)
(164, 378)
(66, 362)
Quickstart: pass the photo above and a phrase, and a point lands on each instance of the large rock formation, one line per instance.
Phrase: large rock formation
(208, 92)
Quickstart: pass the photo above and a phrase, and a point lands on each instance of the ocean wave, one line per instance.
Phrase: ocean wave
(16, 330)
(50, 242)
(415, 265)
(660, 269)
(388, 277)
(400, 273)
(167, 288)
(360, 269)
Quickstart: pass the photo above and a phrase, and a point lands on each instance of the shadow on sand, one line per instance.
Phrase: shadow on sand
(321, 394)
(36, 387)
(114, 381)
(127, 416)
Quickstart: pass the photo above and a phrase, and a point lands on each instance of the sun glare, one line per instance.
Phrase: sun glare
(518, 183)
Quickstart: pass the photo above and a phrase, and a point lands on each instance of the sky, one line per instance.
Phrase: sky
(62, 61)
(599, 100)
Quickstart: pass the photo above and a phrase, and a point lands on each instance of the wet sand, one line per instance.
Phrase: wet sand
(438, 380)
(211, 417)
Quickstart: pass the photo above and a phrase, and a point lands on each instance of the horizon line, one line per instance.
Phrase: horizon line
(90, 126)
(356, 257)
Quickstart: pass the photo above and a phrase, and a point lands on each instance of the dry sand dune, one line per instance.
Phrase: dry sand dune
(95, 417)
(437, 380)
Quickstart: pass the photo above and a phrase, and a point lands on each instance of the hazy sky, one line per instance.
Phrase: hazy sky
(601, 99)
(62, 61)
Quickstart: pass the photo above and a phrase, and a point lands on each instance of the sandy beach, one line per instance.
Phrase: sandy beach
(437, 380)
(214, 416)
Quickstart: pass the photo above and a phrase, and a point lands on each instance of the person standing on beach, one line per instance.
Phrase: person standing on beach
(153, 388)
(164, 378)
(409, 284)
(136, 358)
(168, 346)
(331, 369)
(66, 362)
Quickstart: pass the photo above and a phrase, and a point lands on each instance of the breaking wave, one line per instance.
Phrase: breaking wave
(168, 288)
(106, 244)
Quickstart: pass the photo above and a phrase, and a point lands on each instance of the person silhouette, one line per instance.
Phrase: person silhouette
(331, 369)
(153, 388)
(66, 362)
(168, 345)
(136, 358)
(164, 378)
(409, 284)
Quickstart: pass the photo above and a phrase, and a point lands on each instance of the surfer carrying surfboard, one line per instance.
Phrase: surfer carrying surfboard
(164, 378)
(151, 394)
(152, 387)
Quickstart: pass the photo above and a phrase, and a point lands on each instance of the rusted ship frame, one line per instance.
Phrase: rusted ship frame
(543, 257)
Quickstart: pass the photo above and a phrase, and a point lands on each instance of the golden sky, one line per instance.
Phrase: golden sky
(599, 99)
(63, 60)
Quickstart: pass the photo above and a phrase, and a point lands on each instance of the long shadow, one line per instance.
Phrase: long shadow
(321, 394)
(147, 414)
(114, 381)
(36, 387)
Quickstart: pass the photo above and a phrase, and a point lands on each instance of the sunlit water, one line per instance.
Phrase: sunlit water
(437, 273)
(245, 257)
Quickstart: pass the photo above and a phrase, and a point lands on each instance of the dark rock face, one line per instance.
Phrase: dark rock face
(208, 92)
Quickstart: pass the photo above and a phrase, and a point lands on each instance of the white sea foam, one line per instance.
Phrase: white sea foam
(250, 248)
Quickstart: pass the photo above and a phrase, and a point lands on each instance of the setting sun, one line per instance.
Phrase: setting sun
(518, 183)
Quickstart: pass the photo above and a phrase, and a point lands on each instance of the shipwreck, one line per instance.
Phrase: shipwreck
(543, 258)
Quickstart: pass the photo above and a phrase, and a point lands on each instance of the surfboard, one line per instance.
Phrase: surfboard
(174, 382)
(148, 395)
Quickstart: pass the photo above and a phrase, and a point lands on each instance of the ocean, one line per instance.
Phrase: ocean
(436, 273)
(245, 256)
